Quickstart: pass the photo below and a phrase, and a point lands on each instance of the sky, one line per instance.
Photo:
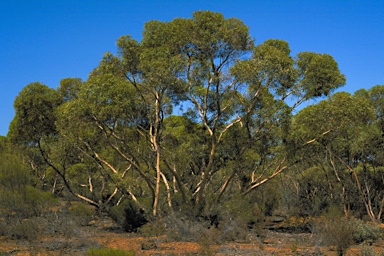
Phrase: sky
(48, 40)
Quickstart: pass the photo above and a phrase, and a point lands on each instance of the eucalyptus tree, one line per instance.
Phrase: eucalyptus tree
(35, 114)
(4, 144)
(125, 100)
(370, 153)
(343, 138)
(231, 82)
(237, 99)
(69, 88)
(34, 123)
(210, 65)
(34, 128)
(97, 124)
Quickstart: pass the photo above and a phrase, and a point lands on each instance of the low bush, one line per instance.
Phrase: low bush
(365, 232)
(18, 198)
(108, 252)
(367, 251)
(83, 213)
(182, 228)
(153, 229)
(336, 231)
(38, 201)
(342, 232)
(26, 230)
(127, 216)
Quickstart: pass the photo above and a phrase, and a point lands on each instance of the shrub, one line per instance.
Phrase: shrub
(38, 201)
(108, 252)
(154, 228)
(343, 232)
(26, 230)
(365, 232)
(31, 202)
(182, 228)
(241, 215)
(368, 251)
(18, 199)
(337, 232)
(83, 213)
(128, 216)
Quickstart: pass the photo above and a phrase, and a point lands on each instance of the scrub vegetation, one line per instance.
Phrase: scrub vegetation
(197, 134)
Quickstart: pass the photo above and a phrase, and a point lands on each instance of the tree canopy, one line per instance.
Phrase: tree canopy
(197, 114)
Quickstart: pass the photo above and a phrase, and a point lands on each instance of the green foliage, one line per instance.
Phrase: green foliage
(342, 232)
(35, 114)
(246, 211)
(369, 251)
(339, 134)
(32, 202)
(154, 228)
(4, 145)
(114, 135)
(69, 88)
(253, 208)
(128, 216)
(18, 198)
(210, 172)
(25, 230)
(314, 195)
(13, 173)
(108, 252)
(319, 74)
(336, 231)
(82, 212)
(365, 232)
(39, 201)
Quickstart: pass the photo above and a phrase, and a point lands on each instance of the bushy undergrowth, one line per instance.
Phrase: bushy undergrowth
(343, 232)
(368, 251)
(108, 252)
(366, 232)
(179, 227)
(128, 216)
(26, 230)
(336, 232)
(82, 213)
(237, 219)
(62, 224)
(19, 199)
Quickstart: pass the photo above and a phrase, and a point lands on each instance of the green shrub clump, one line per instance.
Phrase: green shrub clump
(342, 232)
(108, 252)
(128, 216)
(365, 232)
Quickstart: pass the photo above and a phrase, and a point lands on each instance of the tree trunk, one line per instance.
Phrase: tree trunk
(206, 174)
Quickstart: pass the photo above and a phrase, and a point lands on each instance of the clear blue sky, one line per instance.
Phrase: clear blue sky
(48, 40)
